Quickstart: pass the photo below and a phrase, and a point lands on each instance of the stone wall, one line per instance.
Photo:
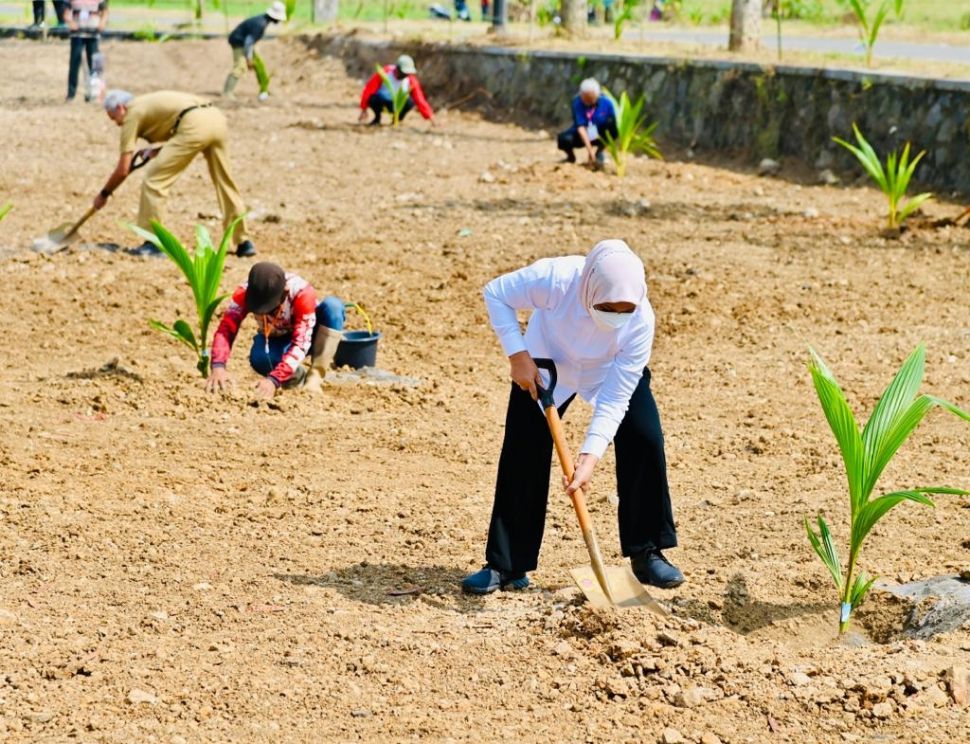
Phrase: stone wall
(760, 111)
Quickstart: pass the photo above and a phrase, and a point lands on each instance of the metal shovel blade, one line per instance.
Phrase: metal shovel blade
(60, 237)
(626, 589)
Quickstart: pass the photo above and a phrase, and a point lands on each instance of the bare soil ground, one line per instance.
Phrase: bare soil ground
(178, 567)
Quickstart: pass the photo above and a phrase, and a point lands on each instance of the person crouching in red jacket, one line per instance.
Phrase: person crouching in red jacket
(377, 97)
(293, 327)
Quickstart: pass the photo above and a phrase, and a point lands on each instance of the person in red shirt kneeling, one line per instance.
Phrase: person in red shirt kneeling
(377, 97)
(294, 326)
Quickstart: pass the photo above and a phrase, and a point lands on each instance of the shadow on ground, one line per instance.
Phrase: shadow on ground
(382, 584)
(743, 614)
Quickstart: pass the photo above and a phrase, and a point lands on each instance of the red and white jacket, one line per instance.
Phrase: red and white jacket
(295, 318)
(410, 84)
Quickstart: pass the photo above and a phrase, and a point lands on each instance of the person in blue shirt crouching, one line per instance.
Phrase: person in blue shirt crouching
(593, 117)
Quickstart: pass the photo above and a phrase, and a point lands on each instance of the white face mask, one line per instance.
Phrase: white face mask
(607, 321)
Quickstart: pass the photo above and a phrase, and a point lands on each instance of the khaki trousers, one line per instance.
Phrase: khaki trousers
(201, 130)
(239, 64)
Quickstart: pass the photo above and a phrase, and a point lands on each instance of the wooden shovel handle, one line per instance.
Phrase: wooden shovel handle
(568, 467)
(579, 500)
(77, 225)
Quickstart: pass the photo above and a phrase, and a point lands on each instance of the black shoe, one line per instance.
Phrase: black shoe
(146, 249)
(489, 580)
(650, 567)
(375, 122)
(246, 249)
(570, 157)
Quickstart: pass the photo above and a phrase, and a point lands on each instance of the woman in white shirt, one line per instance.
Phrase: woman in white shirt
(591, 316)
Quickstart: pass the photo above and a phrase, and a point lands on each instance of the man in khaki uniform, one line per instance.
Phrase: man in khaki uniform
(187, 125)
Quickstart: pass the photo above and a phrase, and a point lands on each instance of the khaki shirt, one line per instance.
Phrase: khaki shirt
(152, 116)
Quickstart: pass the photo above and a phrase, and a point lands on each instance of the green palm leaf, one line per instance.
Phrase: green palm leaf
(180, 331)
(913, 204)
(826, 550)
(893, 405)
(860, 588)
(843, 424)
(877, 508)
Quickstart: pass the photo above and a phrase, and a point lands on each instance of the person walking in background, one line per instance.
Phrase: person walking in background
(38, 14)
(86, 20)
(593, 117)
(243, 40)
(293, 326)
(60, 11)
(377, 98)
(187, 125)
(591, 316)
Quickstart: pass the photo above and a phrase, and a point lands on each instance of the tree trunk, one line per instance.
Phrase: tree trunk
(574, 17)
(745, 26)
(325, 11)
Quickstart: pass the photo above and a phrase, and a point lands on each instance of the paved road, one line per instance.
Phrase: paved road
(131, 17)
(822, 45)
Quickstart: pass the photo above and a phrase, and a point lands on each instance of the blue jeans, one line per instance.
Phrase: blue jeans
(330, 313)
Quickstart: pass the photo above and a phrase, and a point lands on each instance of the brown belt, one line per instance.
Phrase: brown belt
(183, 112)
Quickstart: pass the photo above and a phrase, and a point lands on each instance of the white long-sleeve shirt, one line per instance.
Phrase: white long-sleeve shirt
(603, 367)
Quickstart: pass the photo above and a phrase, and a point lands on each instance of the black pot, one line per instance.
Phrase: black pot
(357, 349)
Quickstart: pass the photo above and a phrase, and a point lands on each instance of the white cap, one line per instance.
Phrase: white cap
(589, 85)
(115, 98)
(405, 63)
(277, 11)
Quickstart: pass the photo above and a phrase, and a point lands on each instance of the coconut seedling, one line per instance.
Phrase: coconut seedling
(203, 271)
(399, 96)
(263, 76)
(633, 134)
(893, 178)
(626, 14)
(865, 456)
(869, 27)
(5, 210)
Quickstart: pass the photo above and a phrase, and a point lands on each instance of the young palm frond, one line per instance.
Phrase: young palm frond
(399, 96)
(869, 28)
(633, 134)
(893, 179)
(5, 210)
(263, 75)
(865, 456)
(203, 271)
(625, 15)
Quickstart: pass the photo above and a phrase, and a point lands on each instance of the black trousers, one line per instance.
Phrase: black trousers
(60, 10)
(569, 139)
(519, 514)
(79, 44)
(38, 12)
(380, 101)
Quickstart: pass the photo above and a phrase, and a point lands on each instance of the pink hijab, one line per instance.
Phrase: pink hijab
(612, 273)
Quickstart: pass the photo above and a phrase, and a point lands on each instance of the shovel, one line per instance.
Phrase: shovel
(63, 235)
(604, 586)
